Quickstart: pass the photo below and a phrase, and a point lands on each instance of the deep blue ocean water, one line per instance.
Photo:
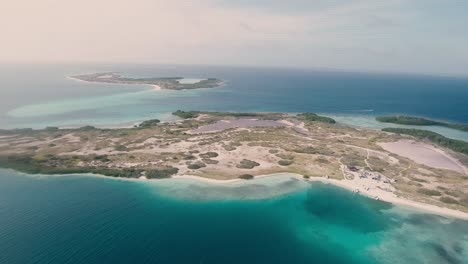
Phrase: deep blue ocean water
(40, 95)
(75, 219)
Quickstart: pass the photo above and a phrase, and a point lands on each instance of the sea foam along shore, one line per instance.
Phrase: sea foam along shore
(154, 86)
(346, 184)
(352, 186)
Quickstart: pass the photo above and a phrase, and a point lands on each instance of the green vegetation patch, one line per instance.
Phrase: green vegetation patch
(429, 192)
(188, 157)
(247, 164)
(419, 121)
(121, 148)
(61, 165)
(186, 114)
(149, 123)
(51, 129)
(161, 173)
(316, 118)
(448, 200)
(86, 128)
(285, 162)
(209, 154)
(210, 161)
(322, 160)
(314, 150)
(196, 165)
(246, 176)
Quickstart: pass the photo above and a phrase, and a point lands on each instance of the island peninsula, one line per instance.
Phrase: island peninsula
(170, 83)
(222, 146)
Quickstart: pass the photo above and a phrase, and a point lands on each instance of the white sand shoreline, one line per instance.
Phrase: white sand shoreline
(154, 86)
(345, 184)
(349, 185)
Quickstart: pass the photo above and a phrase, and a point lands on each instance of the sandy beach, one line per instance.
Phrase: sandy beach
(156, 87)
(356, 185)
(352, 185)
(153, 86)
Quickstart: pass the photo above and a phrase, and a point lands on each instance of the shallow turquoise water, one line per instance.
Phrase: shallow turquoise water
(85, 219)
(41, 95)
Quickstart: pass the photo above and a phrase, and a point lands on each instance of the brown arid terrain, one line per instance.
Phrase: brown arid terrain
(227, 146)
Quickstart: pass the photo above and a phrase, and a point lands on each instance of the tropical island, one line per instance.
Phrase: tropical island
(419, 121)
(391, 165)
(170, 83)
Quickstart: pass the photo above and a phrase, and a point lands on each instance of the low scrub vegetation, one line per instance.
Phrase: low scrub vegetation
(247, 164)
(316, 118)
(429, 192)
(246, 176)
(285, 162)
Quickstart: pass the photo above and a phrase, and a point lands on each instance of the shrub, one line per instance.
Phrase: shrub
(429, 192)
(317, 118)
(322, 160)
(247, 164)
(149, 123)
(464, 201)
(86, 128)
(121, 148)
(210, 161)
(246, 176)
(196, 165)
(418, 121)
(185, 114)
(229, 148)
(161, 173)
(209, 155)
(51, 129)
(312, 150)
(189, 157)
(285, 162)
(453, 193)
(448, 200)
(102, 158)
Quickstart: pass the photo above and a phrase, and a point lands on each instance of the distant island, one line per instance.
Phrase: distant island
(401, 166)
(170, 83)
(419, 121)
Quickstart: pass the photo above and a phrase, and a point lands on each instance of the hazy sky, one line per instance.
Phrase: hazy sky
(427, 36)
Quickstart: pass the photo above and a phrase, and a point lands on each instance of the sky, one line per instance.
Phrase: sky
(415, 36)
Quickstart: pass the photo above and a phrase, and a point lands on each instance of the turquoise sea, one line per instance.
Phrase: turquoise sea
(41, 95)
(83, 219)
